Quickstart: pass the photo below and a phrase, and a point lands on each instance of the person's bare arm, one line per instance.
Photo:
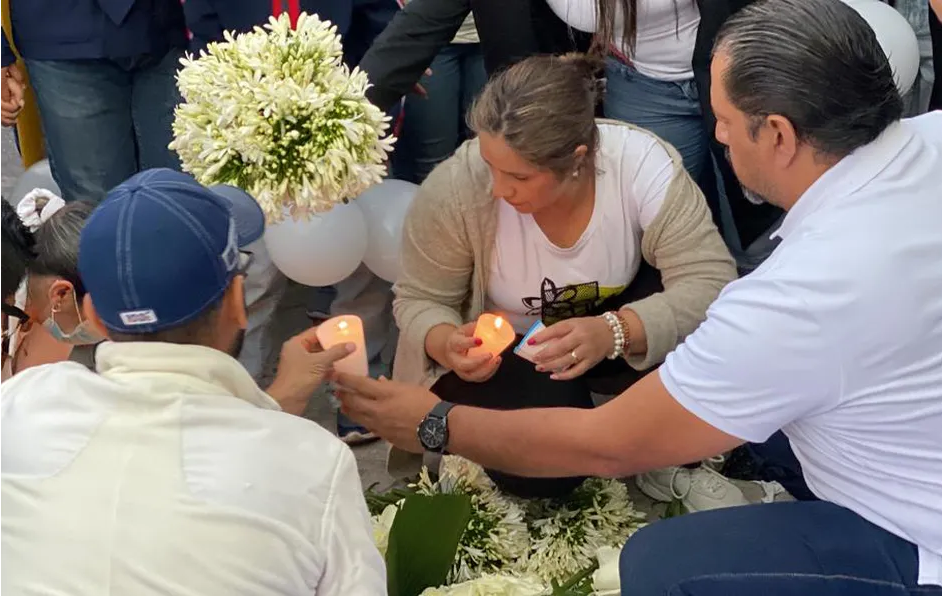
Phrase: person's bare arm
(642, 429)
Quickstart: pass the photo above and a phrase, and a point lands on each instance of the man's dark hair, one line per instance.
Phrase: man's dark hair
(17, 250)
(815, 62)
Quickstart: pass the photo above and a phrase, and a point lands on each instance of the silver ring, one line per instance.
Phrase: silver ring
(575, 358)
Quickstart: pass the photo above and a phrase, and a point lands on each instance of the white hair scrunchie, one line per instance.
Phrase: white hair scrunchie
(29, 212)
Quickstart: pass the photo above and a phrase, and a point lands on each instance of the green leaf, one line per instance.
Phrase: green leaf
(674, 509)
(579, 584)
(377, 502)
(423, 542)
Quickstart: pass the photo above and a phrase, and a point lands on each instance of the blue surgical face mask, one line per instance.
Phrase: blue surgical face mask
(82, 335)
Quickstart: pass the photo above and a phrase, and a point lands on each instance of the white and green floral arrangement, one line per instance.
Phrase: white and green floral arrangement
(276, 112)
(460, 536)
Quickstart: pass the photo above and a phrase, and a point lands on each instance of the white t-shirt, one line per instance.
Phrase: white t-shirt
(837, 340)
(664, 40)
(531, 278)
(170, 473)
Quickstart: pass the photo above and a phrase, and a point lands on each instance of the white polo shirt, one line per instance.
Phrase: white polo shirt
(837, 339)
(171, 473)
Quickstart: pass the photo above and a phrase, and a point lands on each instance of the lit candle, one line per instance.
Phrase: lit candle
(495, 334)
(343, 330)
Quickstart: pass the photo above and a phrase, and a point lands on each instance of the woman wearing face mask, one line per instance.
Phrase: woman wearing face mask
(53, 291)
(17, 251)
(593, 228)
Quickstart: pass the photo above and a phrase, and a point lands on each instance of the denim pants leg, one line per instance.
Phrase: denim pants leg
(264, 287)
(434, 126)
(370, 298)
(473, 79)
(105, 120)
(776, 462)
(669, 109)
(85, 109)
(776, 549)
(154, 97)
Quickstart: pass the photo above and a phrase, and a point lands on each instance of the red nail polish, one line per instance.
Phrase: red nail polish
(531, 342)
(478, 341)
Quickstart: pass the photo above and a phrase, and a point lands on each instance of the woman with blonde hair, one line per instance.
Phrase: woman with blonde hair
(592, 227)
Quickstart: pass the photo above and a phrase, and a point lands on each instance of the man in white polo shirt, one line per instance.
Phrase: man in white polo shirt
(168, 471)
(836, 340)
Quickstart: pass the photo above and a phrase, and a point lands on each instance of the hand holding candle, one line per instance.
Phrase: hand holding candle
(341, 330)
(495, 334)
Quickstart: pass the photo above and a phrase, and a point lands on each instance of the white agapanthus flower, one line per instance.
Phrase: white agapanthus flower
(605, 579)
(276, 112)
(492, 585)
(382, 524)
(496, 537)
(565, 536)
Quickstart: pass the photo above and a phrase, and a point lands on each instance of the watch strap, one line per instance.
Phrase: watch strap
(441, 409)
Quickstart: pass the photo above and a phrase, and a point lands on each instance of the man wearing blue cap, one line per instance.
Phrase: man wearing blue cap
(168, 471)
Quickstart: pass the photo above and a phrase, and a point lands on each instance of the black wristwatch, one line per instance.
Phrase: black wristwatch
(433, 430)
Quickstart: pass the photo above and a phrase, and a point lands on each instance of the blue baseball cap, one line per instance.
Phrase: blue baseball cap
(162, 248)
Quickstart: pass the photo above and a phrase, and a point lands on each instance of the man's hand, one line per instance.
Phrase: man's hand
(418, 89)
(390, 409)
(13, 89)
(302, 367)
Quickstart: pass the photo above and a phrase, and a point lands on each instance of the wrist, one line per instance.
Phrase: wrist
(618, 333)
(636, 339)
(286, 398)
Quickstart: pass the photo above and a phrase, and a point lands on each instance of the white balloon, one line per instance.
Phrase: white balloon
(37, 176)
(896, 37)
(319, 251)
(384, 207)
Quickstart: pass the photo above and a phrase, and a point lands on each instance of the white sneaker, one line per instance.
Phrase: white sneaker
(700, 489)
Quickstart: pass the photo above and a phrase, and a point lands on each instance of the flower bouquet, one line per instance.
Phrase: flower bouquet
(460, 536)
(276, 112)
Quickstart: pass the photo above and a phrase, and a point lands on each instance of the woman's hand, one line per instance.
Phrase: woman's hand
(454, 355)
(573, 346)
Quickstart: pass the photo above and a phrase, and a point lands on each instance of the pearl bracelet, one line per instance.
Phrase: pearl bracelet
(618, 330)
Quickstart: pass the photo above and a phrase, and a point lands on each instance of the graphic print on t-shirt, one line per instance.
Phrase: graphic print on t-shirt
(557, 303)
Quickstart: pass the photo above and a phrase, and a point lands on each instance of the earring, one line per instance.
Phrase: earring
(575, 174)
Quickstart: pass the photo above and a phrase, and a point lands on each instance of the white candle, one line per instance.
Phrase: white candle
(342, 330)
(495, 334)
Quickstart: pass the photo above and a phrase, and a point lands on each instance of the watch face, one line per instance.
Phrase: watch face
(432, 433)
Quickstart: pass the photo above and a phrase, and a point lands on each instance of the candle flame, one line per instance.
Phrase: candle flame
(498, 322)
(342, 325)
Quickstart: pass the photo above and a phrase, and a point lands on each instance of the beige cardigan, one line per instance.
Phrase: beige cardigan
(446, 254)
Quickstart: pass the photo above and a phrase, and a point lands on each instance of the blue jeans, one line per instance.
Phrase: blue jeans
(669, 109)
(105, 120)
(798, 548)
(434, 126)
(777, 549)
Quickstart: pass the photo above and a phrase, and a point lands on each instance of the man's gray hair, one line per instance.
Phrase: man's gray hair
(57, 244)
(815, 62)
